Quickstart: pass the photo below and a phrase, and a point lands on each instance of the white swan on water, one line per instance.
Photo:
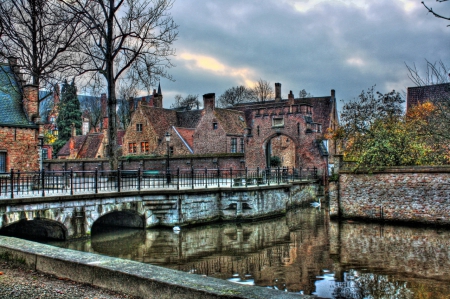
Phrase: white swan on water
(316, 204)
(176, 228)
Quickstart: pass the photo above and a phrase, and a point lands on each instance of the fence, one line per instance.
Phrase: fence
(69, 182)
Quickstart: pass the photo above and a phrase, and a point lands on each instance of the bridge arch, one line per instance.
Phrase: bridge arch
(282, 146)
(121, 218)
(36, 229)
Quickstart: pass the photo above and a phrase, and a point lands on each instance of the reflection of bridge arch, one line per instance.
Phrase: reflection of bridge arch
(36, 229)
(282, 146)
(120, 218)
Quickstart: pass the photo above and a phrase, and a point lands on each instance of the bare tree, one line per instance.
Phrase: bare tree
(189, 102)
(126, 91)
(263, 90)
(437, 15)
(236, 95)
(304, 94)
(39, 36)
(132, 37)
(91, 104)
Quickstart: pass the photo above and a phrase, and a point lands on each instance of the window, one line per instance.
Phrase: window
(52, 119)
(55, 132)
(233, 145)
(44, 153)
(214, 126)
(298, 128)
(277, 122)
(132, 147)
(139, 127)
(242, 145)
(2, 161)
(257, 130)
(144, 147)
(171, 150)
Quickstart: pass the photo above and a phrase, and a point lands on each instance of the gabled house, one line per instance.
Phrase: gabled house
(19, 122)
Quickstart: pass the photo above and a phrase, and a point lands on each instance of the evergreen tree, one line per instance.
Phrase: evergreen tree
(69, 113)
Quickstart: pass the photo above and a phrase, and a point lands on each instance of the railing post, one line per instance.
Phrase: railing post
(206, 178)
(96, 180)
(71, 180)
(246, 174)
(43, 182)
(139, 178)
(218, 177)
(231, 176)
(278, 175)
(18, 180)
(257, 176)
(178, 178)
(268, 175)
(118, 179)
(192, 176)
(12, 182)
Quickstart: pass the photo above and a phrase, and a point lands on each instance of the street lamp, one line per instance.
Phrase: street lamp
(41, 145)
(169, 179)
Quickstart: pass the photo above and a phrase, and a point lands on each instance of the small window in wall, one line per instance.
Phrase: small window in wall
(132, 147)
(139, 127)
(319, 128)
(44, 153)
(171, 150)
(144, 147)
(242, 149)
(2, 161)
(214, 126)
(233, 145)
(277, 122)
(257, 129)
(298, 128)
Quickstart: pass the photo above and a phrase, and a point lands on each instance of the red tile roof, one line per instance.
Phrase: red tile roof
(187, 135)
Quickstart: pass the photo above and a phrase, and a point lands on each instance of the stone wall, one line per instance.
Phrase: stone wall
(419, 194)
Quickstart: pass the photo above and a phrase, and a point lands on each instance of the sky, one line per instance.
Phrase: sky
(316, 45)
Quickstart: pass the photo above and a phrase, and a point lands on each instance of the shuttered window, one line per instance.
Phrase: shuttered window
(2, 162)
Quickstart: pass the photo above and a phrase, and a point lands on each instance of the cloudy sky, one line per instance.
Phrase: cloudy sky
(317, 45)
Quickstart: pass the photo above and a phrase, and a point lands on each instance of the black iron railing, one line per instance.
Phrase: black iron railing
(69, 182)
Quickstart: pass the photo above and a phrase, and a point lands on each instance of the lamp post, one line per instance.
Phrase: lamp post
(41, 145)
(169, 179)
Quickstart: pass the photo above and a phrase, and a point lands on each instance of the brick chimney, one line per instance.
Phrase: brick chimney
(277, 92)
(131, 104)
(73, 130)
(56, 94)
(333, 93)
(291, 98)
(209, 101)
(104, 103)
(31, 101)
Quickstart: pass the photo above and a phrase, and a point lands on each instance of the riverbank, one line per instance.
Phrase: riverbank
(22, 283)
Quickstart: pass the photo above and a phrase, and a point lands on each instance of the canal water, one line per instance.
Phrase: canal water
(303, 252)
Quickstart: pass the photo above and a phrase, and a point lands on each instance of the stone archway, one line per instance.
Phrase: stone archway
(36, 229)
(281, 146)
(124, 218)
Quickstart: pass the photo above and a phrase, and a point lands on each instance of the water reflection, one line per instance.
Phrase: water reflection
(303, 252)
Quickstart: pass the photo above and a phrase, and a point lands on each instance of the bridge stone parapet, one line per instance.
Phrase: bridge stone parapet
(68, 217)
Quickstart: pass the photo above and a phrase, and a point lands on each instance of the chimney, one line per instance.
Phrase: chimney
(209, 101)
(31, 101)
(291, 98)
(56, 95)
(104, 102)
(277, 92)
(333, 93)
(131, 104)
(73, 130)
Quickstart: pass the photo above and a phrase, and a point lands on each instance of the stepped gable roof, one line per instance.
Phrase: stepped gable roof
(79, 141)
(421, 94)
(322, 109)
(232, 121)
(11, 108)
(187, 135)
(90, 146)
(161, 119)
(189, 119)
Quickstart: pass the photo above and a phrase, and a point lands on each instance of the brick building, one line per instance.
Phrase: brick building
(421, 94)
(19, 122)
(291, 129)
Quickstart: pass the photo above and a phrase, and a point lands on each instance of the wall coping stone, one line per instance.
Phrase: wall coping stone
(130, 277)
(401, 169)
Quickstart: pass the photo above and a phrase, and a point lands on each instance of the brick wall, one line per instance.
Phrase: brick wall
(207, 140)
(20, 145)
(419, 194)
(147, 134)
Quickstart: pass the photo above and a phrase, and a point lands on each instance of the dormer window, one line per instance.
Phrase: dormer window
(139, 127)
(277, 122)
(214, 126)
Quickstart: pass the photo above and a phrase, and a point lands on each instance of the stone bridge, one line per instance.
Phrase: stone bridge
(68, 217)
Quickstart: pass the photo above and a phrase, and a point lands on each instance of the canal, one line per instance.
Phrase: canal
(303, 252)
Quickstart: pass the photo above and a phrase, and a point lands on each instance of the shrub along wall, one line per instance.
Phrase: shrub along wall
(411, 194)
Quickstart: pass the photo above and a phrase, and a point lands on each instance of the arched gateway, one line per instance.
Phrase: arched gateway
(283, 147)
